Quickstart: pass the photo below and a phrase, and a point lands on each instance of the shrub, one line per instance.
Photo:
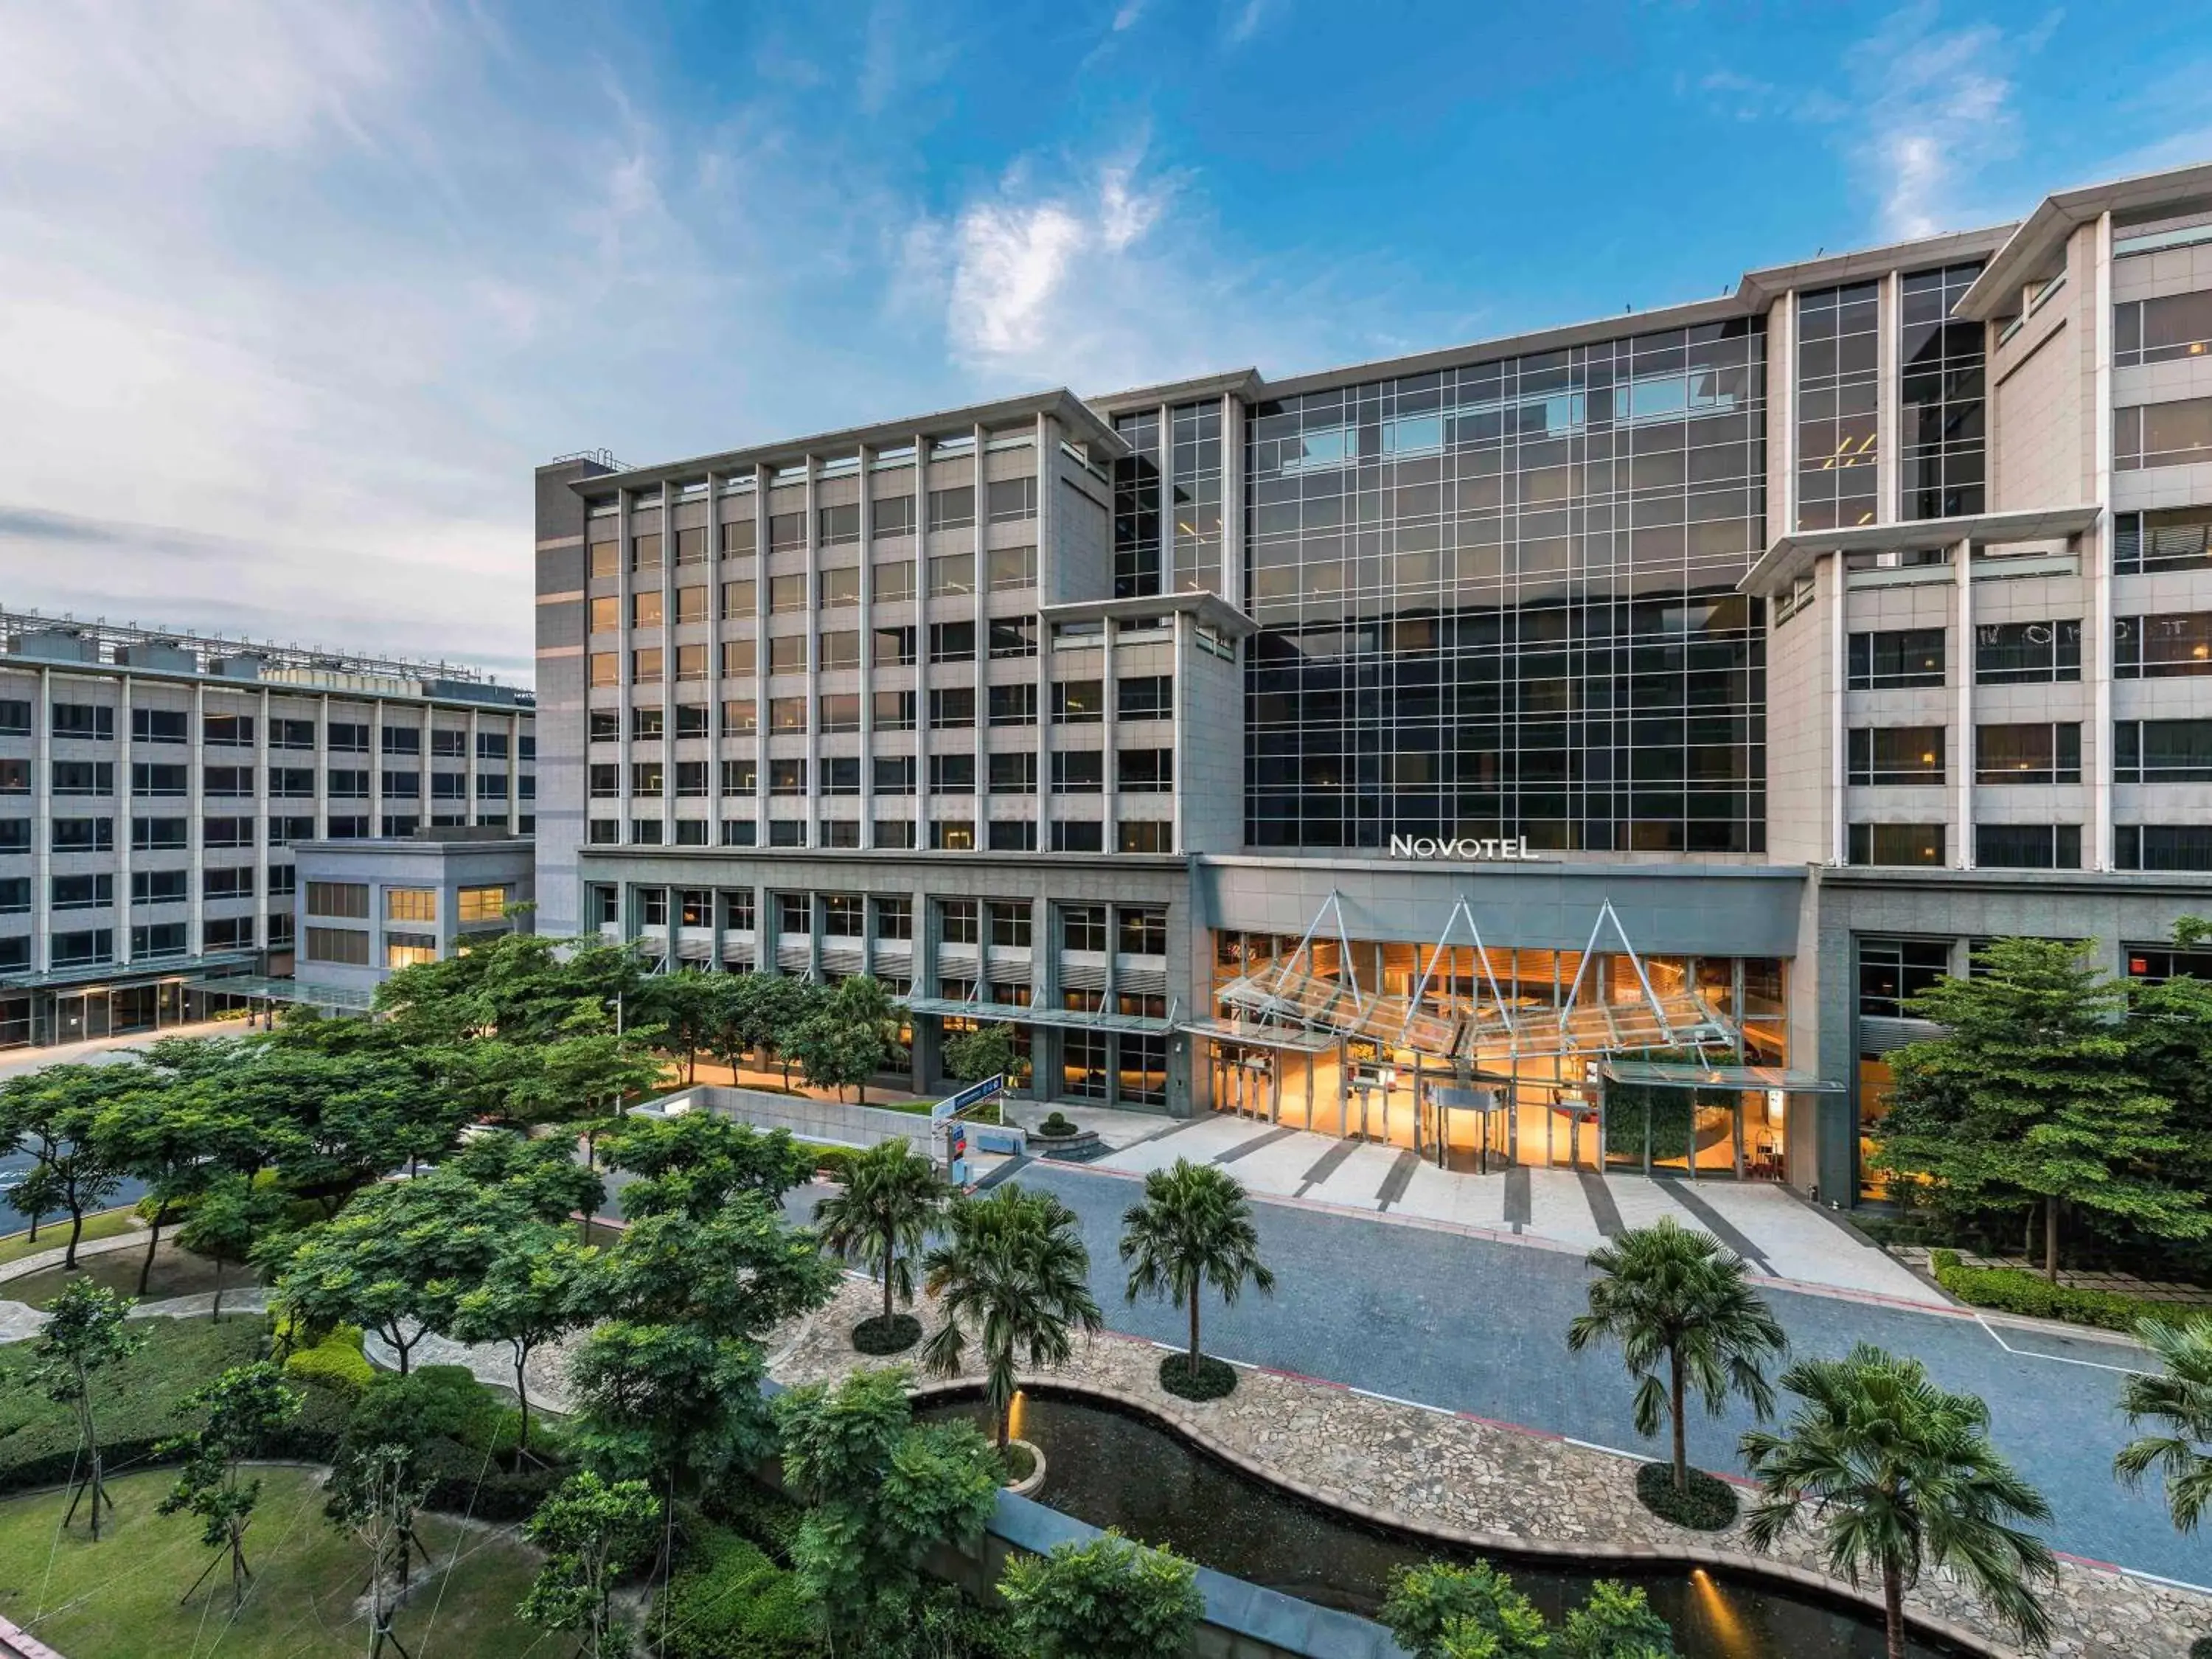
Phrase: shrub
(1213, 1379)
(728, 1601)
(335, 1363)
(2011, 1289)
(1057, 1127)
(1708, 1505)
(757, 1511)
(834, 1161)
(879, 1335)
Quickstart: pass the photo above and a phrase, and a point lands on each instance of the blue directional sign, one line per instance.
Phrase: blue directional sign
(973, 1094)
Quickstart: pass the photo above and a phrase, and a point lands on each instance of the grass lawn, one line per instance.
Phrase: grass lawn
(177, 1271)
(52, 1235)
(117, 1599)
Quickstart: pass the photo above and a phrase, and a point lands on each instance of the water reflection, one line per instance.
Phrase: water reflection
(1114, 1468)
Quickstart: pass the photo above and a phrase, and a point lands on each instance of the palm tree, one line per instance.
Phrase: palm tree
(892, 1198)
(1899, 1475)
(2181, 1401)
(1193, 1228)
(1672, 1293)
(1012, 1266)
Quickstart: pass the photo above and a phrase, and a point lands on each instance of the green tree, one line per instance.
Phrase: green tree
(2170, 1040)
(176, 1138)
(1674, 1296)
(584, 1077)
(235, 1216)
(2031, 1093)
(245, 1406)
(693, 1163)
(1894, 1475)
(668, 1404)
(1441, 1612)
(1013, 1265)
(831, 1054)
(397, 1258)
(880, 1492)
(373, 1493)
(882, 1216)
(84, 1334)
(782, 1003)
(1193, 1228)
(377, 1478)
(592, 1532)
(985, 1051)
(1106, 1599)
(334, 1119)
(537, 1287)
(687, 1007)
(1616, 1622)
(53, 1111)
(544, 1175)
(742, 1022)
(2179, 1399)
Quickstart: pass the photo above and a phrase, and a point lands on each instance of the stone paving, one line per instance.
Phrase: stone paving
(1488, 1486)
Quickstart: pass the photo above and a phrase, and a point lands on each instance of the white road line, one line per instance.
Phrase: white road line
(2057, 1359)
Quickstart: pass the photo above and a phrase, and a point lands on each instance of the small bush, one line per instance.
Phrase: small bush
(835, 1161)
(759, 1512)
(881, 1335)
(1057, 1127)
(1708, 1505)
(2010, 1289)
(728, 1601)
(335, 1363)
(1213, 1379)
(1020, 1462)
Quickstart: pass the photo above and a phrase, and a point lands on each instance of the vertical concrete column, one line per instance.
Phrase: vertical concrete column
(1109, 734)
(668, 681)
(1838, 680)
(1185, 659)
(866, 458)
(424, 763)
(1962, 564)
(263, 752)
(1232, 509)
(923, 742)
(811, 498)
(761, 930)
(1049, 583)
(322, 763)
(123, 828)
(1783, 341)
(625, 531)
(716, 673)
(979, 803)
(2097, 569)
(471, 763)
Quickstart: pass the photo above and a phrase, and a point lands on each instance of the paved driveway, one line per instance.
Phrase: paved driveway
(1478, 1325)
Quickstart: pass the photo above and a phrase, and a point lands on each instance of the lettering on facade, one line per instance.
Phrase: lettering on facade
(1501, 849)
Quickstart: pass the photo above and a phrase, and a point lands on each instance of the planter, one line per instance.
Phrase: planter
(1035, 1478)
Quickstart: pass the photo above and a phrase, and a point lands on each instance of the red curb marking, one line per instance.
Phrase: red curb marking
(1510, 1428)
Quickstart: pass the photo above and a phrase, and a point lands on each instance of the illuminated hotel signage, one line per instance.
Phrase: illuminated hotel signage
(1506, 849)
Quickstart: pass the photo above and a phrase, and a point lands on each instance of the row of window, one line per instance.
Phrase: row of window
(1003, 924)
(1006, 501)
(1081, 772)
(349, 901)
(950, 574)
(97, 835)
(1144, 835)
(1074, 703)
(96, 722)
(349, 947)
(96, 891)
(86, 947)
(157, 781)
(2144, 751)
(2036, 845)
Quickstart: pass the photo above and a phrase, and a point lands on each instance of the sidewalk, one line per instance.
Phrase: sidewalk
(97, 1050)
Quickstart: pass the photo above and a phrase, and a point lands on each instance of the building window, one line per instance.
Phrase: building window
(645, 665)
(739, 600)
(740, 775)
(234, 882)
(1083, 836)
(347, 737)
(2028, 846)
(1142, 930)
(952, 509)
(894, 775)
(893, 647)
(1014, 774)
(2163, 846)
(2162, 647)
(691, 662)
(645, 608)
(787, 713)
(82, 892)
(1010, 568)
(1009, 925)
(1896, 658)
(1895, 753)
(1144, 835)
(158, 834)
(840, 775)
(892, 834)
(786, 775)
(2171, 329)
(160, 938)
(953, 641)
(691, 720)
(840, 648)
(841, 711)
(959, 921)
(952, 708)
(481, 904)
(83, 948)
(788, 595)
(1896, 843)
(1012, 637)
(1080, 772)
(691, 780)
(1013, 705)
(2162, 752)
(1077, 702)
(98, 777)
(952, 775)
(787, 532)
(2179, 539)
(147, 887)
(2153, 965)
(348, 899)
(645, 552)
(1838, 396)
(227, 832)
(838, 833)
(167, 726)
(228, 730)
(835, 527)
(1142, 1078)
(894, 580)
(1145, 771)
(840, 585)
(348, 946)
(1083, 928)
(740, 716)
(1013, 834)
(407, 949)
(405, 904)
(2030, 653)
(2038, 753)
(89, 835)
(1009, 499)
(1942, 424)
(1893, 971)
(737, 539)
(1137, 538)
(2178, 433)
(1083, 1065)
(93, 721)
(1144, 697)
(646, 779)
(893, 516)
(786, 654)
(952, 573)
(952, 835)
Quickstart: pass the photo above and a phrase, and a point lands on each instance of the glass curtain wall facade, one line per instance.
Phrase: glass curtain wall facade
(1942, 397)
(1838, 406)
(1500, 598)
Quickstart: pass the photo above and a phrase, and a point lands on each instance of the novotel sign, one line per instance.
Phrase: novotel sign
(1486, 849)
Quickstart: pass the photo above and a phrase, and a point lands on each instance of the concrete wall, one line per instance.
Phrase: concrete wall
(561, 584)
(806, 1120)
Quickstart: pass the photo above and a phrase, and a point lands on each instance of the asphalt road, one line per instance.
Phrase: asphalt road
(1478, 1325)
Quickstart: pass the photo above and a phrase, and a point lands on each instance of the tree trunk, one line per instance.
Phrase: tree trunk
(522, 1401)
(1190, 1365)
(77, 1229)
(1682, 1445)
(2051, 1238)
(1892, 1610)
(153, 1244)
(887, 1284)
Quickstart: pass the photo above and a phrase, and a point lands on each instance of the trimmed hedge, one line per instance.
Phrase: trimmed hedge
(1213, 1379)
(2012, 1290)
(1708, 1505)
(728, 1601)
(756, 1510)
(335, 1363)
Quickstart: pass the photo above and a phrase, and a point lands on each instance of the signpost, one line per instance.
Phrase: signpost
(948, 1136)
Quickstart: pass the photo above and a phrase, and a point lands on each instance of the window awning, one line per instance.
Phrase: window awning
(95, 975)
(344, 999)
(1011, 1013)
(1293, 1038)
(1662, 1074)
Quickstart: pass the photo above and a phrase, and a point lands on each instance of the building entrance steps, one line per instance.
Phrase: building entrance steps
(1780, 1234)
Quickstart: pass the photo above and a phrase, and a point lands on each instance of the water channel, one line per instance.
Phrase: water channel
(1118, 1469)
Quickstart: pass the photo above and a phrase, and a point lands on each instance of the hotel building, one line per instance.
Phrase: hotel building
(1572, 747)
(153, 788)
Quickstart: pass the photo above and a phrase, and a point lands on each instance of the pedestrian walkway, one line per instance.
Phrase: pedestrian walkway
(1777, 1233)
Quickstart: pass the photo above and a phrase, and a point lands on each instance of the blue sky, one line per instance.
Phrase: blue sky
(295, 295)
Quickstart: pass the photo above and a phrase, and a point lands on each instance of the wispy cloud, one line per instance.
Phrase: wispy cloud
(1241, 19)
